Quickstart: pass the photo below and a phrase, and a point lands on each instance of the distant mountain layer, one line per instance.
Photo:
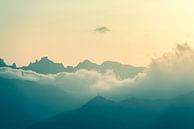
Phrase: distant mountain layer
(100, 113)
(46, 66)
(25, 102)
(3, 64)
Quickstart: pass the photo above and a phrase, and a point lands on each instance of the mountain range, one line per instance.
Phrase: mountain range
(3, 64)
(101, 113)
(46, 66)
(25, 102)
(30, 105)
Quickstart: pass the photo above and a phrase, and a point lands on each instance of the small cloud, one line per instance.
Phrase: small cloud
(102, 29)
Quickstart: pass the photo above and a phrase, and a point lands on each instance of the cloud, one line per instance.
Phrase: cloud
(10, 73)
(80, 81)
(167, 76)
(102, 29)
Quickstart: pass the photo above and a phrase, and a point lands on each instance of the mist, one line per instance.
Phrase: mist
(167, 76)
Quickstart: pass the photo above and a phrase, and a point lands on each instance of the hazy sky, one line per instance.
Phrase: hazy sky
(66, 30)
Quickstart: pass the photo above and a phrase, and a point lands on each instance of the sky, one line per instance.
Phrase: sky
(69, 31)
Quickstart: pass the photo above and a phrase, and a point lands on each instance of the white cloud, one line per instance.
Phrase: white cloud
(82, 80)
(167, 76)
(10, 73)
(170, 75)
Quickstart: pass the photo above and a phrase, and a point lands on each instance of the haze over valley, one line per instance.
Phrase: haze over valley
(96, 64)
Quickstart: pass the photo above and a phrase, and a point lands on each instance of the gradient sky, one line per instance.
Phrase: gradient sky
(64, 30)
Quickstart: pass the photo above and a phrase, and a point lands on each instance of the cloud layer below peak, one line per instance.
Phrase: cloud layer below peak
(167, 76)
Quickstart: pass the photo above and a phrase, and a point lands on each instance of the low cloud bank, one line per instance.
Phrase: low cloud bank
(167, 76)
(80, 81)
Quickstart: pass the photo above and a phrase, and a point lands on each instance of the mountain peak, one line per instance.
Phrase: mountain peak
(86, 62)
(88, 65)
(100, 102)
(45, 66)
(98, 99)
(2, 63)
(111, 62)
(44, 58)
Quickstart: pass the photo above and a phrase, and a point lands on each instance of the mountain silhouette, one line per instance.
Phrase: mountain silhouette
(87, 117)
(100, 102)
(132, 113)
(87, 65)
(121, 71)
(2, 63)
(45, 66)
(25, 102)
(100, 113)
(178, 115)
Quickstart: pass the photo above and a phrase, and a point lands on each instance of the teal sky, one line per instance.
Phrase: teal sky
(64, 30)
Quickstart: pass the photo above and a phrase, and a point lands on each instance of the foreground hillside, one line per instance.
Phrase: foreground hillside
(100, 113)
(25, 102)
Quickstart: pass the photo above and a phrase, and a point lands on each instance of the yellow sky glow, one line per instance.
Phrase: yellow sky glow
(65, 30)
